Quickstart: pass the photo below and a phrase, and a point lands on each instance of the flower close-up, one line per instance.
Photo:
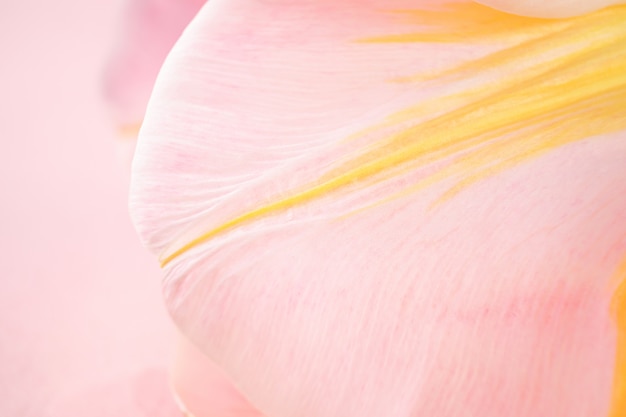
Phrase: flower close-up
(367, 208)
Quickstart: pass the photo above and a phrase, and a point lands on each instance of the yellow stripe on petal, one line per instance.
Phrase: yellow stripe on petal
(463, 22)
(572, 86)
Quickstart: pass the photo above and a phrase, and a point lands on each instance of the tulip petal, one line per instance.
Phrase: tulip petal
(201, 387)
(371, 209)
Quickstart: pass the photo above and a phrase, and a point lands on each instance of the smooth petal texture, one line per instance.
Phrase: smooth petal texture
(149, 30)
(352, 301)
(202, 388)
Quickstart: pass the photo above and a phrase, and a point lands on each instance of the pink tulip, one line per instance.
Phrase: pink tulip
(391, 208)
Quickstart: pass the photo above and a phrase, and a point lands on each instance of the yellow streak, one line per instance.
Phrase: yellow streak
(463, 22)
(618, 403)
(566, 96)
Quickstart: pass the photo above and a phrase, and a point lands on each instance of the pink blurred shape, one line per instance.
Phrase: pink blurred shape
(82, 326)
(149, 30)
(145, 394)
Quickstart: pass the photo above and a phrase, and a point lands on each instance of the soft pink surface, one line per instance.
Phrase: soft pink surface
(82, 327)
(203, 388)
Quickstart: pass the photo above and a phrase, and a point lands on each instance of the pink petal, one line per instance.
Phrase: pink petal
(202, 388)
(360, 301)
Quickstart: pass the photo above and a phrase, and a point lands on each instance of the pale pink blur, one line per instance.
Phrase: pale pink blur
(82, 324)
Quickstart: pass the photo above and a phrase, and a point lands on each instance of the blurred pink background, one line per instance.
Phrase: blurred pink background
(83, 328)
